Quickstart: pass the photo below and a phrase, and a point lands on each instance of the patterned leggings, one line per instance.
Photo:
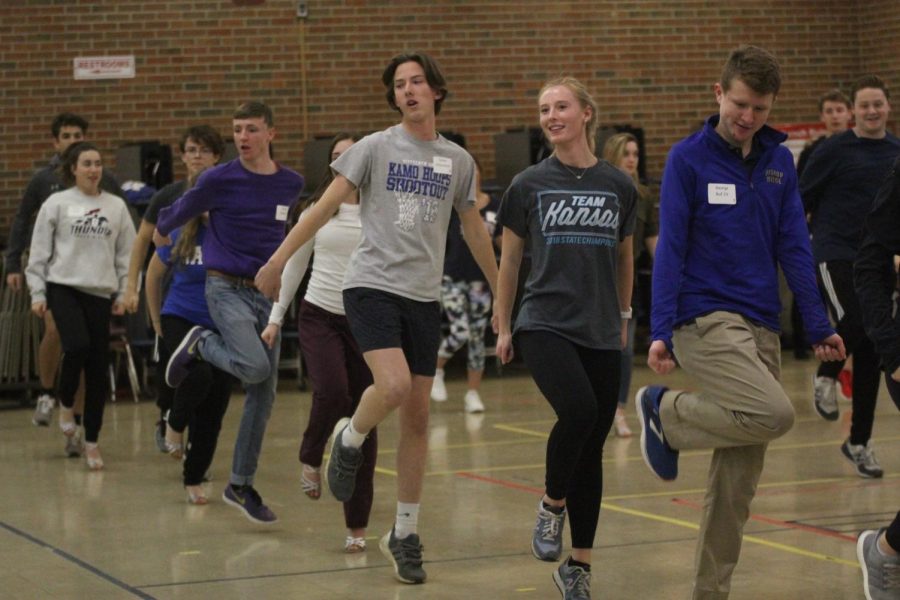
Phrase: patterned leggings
(466, 304)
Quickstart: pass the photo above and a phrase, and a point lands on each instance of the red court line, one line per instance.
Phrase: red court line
(501, 482)
(854, 484)
(790, 525)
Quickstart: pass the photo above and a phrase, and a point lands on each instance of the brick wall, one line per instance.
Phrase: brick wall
(650, 63)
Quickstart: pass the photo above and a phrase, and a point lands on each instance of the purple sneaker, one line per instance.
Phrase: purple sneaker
(249, 502)
(186, 353)
(658, 455)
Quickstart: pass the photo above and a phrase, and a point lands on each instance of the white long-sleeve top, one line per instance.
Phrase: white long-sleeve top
(82, 242)
(333, 244)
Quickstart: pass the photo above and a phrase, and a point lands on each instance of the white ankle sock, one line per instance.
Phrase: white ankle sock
(407, 520)
(352, 438)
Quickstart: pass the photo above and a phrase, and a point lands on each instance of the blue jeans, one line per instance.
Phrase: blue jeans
(241, 313)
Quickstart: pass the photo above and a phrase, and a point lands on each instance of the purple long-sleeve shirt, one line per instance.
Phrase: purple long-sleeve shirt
(247, 215)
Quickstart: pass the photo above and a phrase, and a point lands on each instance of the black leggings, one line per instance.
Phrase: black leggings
(582, 386)
(199, 403)
(892, 535)
(83, 324)
(836, 282)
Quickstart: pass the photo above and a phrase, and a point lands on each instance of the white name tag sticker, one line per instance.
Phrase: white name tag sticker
(281, 212)
(721, 193)
(443, 165)
(75, 211)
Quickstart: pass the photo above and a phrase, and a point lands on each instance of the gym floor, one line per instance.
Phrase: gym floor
(127, 531)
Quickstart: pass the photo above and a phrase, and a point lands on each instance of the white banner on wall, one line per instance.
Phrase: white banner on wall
(103, 67)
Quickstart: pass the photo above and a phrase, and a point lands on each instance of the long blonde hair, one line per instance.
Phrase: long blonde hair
(184, 249)
(581, 93)
(614, 150)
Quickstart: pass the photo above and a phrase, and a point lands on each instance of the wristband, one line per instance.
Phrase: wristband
(626, 314)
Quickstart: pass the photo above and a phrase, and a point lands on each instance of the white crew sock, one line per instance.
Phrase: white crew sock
(352, 438)
(407, 520)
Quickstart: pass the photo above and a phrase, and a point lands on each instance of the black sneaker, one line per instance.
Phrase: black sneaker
(405, 555)
(343, 464)
(160, 436)
(184, 356)
(249, 502)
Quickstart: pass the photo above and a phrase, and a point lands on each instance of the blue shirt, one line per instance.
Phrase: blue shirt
(186, 295)
(724, 230)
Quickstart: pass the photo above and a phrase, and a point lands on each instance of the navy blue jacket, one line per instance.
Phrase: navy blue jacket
(838, 186)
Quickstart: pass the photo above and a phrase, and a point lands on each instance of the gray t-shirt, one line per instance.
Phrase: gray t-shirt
(407, 189)
(572, 228)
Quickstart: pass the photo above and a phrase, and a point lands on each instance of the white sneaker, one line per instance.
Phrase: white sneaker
(438, 389)
(43, 410)
(473, 402)
(825, 398)
(75, 444)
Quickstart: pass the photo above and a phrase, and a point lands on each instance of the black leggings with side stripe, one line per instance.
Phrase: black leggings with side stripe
(582, 386)
(836, 282)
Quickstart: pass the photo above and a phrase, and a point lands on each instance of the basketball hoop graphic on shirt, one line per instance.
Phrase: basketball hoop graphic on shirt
(407, 210)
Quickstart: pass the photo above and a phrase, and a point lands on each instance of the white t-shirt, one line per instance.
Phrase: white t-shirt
(333, 244)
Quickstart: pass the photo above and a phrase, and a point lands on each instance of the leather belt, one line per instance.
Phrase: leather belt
(232, 279)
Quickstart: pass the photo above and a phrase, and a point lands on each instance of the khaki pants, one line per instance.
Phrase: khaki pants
(740, 407)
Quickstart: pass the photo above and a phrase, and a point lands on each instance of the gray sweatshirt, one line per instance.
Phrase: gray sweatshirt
(82, 242)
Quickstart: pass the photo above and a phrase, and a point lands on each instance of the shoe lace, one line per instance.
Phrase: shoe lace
(891, 576)
(409, 551)
(580, 582)
(346, 462)
(867, 457)
(550, 525)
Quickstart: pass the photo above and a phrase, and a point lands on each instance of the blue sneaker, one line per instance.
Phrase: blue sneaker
(186, 353)
(658, 455)
(248, 501)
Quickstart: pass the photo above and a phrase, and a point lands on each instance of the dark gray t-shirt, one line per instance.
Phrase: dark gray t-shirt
(572, 228)
(407, 189)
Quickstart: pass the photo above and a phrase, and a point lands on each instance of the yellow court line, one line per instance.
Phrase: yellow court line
(749, 538)
(521, 430)
(384, 471)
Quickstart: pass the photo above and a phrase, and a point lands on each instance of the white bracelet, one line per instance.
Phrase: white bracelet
(626, 314)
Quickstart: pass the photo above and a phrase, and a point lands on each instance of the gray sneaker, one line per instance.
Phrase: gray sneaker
(75, 443)
(43, 410)
(863, 458)
(343, 463)
(574, 583)
(825, 398)
(546, 541)
(405, 555)
(881, 574)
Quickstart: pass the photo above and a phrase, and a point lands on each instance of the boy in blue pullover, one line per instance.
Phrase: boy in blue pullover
(730, 214)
